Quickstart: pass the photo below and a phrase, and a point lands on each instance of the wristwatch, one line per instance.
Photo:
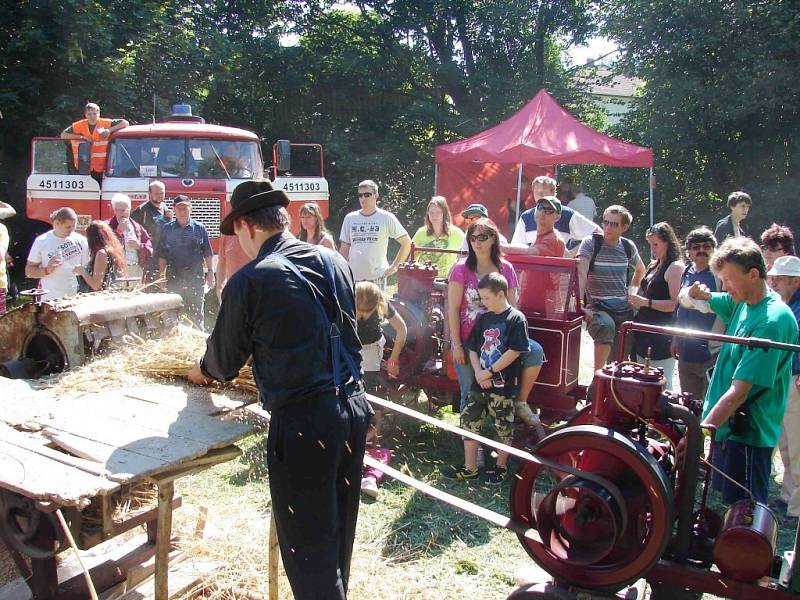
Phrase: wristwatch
(491, 370)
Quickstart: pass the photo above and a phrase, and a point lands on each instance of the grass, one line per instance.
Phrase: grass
(408, 546)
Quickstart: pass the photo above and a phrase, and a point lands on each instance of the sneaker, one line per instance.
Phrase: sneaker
(460, 473)
(497, 475)
(481, 460)
(369, 487)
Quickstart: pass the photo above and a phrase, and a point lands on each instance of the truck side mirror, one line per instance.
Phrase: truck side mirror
(283, 152)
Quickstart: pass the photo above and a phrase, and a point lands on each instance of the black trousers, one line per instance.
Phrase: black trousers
(316, 453)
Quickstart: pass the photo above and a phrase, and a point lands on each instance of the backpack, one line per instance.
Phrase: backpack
(626, 244)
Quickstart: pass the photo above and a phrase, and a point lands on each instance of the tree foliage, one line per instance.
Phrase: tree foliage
(378, 83)
(720, 104)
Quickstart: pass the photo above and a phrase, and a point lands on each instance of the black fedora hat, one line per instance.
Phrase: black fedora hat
(249, 196)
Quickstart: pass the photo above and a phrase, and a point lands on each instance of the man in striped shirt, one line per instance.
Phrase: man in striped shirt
(607, 266)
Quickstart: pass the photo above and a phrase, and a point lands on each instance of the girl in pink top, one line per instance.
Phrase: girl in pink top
(463, 301)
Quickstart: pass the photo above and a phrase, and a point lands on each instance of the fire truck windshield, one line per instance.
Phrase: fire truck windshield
(185, 158)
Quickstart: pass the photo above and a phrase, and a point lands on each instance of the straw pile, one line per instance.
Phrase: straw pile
(176, 354)
(136, 361)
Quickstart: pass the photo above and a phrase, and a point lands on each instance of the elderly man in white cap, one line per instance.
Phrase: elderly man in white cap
(784, 278)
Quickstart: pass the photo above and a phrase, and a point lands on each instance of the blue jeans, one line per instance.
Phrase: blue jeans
(749, 465)
(465, 376)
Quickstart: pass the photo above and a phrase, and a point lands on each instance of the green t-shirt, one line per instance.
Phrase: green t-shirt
(769, 371)
(443, 262)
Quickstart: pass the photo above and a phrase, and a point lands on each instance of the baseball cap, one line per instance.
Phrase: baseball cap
(475, 209)
(786, 265)
(551, 202)
(181, 199)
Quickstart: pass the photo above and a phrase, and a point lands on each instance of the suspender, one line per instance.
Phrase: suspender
(337, 355)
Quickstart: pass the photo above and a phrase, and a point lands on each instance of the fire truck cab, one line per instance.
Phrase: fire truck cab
(202, 161)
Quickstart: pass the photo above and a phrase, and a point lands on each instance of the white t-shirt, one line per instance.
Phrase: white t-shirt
(368, 237)
(73, 250)
(584, 205)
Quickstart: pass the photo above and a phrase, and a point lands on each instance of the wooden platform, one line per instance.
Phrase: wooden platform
(77, 447)
(69, 451)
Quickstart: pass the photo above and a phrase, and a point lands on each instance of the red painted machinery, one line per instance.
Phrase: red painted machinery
(548, 297)
(603, 500)
(612, 503)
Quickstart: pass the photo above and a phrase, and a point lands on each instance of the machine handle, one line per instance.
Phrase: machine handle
(699, 335)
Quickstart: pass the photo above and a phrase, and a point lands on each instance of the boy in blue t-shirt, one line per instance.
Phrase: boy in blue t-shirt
(499, 337)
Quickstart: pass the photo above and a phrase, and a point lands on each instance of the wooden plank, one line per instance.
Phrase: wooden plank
(196, 465)
(177, 395)
(133, 437)
(41, 478)
(122, 464)
(21, 405)
(147, 419)
(37, 445)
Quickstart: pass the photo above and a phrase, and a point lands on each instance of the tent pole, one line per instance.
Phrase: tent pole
(650, 185)
(519, 191)
(435, 178)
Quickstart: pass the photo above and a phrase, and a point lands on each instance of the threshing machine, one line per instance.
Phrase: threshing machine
(604, 499)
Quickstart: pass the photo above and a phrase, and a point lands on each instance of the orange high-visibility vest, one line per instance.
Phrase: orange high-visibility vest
(99, 145)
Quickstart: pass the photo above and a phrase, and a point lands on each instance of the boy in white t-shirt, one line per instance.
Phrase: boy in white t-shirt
(55, 254)
(365, 235)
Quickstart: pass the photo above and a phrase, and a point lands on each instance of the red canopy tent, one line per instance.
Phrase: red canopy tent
(494, 167)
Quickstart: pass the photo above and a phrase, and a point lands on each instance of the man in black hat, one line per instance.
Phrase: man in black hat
(283, 309)
(185, 258)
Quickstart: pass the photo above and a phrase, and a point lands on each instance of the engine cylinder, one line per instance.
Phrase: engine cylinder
(624, 392)
(745, 546)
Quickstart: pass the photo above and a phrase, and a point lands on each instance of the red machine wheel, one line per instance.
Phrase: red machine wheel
(589, 538)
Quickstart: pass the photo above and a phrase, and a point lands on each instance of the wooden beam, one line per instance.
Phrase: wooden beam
(166, 491)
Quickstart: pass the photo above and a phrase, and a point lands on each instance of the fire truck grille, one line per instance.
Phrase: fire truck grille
(205, 211)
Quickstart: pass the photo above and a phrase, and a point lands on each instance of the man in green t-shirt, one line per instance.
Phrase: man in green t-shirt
(746, 380)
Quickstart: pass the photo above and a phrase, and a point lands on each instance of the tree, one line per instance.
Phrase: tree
(720, 105)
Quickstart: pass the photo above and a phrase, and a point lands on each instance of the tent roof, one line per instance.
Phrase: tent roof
(543, 133)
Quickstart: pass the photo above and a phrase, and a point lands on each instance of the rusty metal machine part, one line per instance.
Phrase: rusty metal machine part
(66, 333)
(745, 546)
(22, 525)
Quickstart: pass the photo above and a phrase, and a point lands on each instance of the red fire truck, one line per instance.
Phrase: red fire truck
(202, 161)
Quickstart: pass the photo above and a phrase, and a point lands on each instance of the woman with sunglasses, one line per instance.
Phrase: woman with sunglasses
(312, 226)
(464, 302)
(657, 298)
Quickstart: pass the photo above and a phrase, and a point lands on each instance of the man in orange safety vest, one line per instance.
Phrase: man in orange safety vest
(95, 130)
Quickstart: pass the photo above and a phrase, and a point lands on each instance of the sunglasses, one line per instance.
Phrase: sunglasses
(545, 209)
(481, 237)
(611, 224)
(775, 247)
(703, 246)
(364, 194)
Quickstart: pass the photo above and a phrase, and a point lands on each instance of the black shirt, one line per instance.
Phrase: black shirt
(369, 330)
(492, 335)
(268, 312)
(152, 219)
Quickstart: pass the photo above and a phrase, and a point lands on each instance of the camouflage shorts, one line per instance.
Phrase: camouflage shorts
(499, 408)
